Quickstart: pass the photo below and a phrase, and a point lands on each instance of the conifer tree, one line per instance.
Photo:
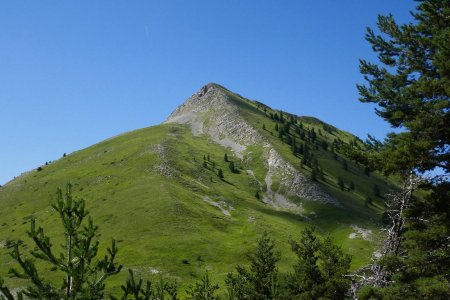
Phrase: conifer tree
(83, 275)
(411, 88)
(203, 289)
(261, 280)
(320, 268)
(231, 167)
(135, 290)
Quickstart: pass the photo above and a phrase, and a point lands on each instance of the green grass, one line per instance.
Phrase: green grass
(164, 223)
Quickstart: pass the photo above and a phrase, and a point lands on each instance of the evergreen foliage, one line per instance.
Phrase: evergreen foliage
(83, 276)
(320, 270)
(261, 280)
(203, 289)
(411, 88)
(231, 167)
(135, 290)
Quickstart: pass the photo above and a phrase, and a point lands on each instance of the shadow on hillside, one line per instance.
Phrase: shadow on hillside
(226, 181)
(282, 214)
(268, 210)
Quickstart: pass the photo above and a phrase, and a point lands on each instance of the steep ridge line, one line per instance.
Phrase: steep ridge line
(211, 112)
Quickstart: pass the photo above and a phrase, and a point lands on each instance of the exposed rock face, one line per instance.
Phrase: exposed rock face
(292, 181)
(210, 111)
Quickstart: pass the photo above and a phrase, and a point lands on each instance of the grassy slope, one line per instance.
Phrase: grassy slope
(327, 217)
(162, 222)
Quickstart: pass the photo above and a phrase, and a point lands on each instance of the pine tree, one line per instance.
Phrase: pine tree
(220, 174)
(134, 289)
(320, 268)
(261, 280)
(82, 276)
(203, 289)
(225, 157)
(411, 88)
(231, 167)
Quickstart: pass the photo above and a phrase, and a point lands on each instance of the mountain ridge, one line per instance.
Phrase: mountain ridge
(157, 190)
(224, 119)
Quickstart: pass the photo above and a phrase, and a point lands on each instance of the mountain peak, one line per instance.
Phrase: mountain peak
(217, 113)
(208, 99)
(213, 111)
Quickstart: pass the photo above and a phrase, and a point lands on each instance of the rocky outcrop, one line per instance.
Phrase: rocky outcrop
(292, 181)
(210, 111)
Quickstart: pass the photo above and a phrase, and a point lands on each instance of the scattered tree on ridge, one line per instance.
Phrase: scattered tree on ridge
(231, 167)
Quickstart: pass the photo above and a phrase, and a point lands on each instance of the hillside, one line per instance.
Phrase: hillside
(157, 190)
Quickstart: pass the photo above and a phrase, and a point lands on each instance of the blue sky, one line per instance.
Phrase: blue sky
(73, 73)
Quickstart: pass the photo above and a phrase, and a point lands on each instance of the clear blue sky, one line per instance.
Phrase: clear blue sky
(73, 73)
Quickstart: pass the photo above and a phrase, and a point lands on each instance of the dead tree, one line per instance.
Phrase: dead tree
(375, 274)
